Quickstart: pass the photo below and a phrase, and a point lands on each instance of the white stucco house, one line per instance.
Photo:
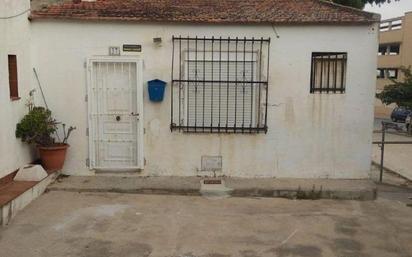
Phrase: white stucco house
(271, 88)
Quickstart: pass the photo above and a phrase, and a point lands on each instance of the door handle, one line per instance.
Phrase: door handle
(134, 114)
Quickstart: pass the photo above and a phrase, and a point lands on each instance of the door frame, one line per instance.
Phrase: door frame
(139, 103)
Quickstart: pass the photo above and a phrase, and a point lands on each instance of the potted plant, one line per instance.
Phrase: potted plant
(40, 129)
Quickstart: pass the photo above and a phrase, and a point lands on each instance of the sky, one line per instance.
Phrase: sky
(391, 10)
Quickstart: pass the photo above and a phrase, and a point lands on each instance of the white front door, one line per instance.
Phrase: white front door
(115, 113)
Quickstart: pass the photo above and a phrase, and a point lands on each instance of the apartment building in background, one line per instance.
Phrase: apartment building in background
(395, 51)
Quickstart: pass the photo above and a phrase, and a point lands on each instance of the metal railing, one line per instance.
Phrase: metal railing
(391, 24)
(385, 127)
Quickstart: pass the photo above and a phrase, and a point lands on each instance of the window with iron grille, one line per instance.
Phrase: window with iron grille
(219, 85)
(328, 72)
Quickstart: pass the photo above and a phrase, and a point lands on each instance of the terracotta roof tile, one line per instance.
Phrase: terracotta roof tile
(207, 11)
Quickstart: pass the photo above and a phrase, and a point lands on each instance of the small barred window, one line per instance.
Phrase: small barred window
(328, 73)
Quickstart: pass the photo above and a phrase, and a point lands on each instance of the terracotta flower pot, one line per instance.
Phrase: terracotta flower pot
(52, 157)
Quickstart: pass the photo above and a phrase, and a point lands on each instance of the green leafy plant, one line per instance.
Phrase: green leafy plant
(37, 127)
(399, 92)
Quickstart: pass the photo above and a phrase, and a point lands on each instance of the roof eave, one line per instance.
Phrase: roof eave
(132, 19)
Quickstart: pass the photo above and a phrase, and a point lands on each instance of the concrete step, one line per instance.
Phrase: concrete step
(356, 189)
(214, 187)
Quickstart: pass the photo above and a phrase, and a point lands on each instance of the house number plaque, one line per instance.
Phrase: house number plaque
(114, 51)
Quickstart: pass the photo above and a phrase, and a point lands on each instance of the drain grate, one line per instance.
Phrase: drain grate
(212, 181)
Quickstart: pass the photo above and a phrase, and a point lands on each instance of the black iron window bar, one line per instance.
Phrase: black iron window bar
(219, 85)
(328, 73)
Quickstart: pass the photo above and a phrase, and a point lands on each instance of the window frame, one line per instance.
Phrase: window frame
(382, 50)
(381, 73)
(392, 69)
(394, 53)
(386, 49)
(314, 89)
(13, 77)
(216, 45)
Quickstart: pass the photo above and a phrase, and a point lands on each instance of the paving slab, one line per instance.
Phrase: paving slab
(256, 187)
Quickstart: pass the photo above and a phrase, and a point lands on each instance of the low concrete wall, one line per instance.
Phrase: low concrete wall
(10, 210)
(343, 189)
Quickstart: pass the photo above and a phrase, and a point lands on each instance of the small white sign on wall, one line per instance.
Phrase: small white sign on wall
(114, 51)
(211, 163)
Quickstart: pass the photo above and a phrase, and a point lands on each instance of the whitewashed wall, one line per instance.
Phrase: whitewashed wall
(310, 136)
(14, 39)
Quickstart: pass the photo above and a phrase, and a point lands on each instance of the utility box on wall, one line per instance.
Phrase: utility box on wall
(156, 90)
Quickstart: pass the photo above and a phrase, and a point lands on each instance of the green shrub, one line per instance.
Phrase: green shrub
(37, 127)
(399, 92)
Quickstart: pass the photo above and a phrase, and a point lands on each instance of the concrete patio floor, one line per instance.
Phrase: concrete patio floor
(69, 224)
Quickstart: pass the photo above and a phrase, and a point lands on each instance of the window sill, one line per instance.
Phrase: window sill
(15, 98)
(220, 130)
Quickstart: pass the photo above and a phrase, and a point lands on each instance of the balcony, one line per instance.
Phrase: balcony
(391, 31)
(389, 61)
(382, 83)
